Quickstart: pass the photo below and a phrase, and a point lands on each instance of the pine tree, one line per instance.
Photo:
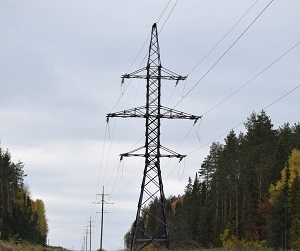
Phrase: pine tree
(256, 173)
(19, 219)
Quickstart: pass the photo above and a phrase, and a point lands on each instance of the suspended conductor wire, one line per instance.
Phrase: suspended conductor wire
(171, 95)
(140, 51)
(125, 134)
(125, 88)
(129, 181)
(197, 130)
(185, 137)
(223, 54)
(268, 106)
(265, 69)
(223, 37)
(102, 157)
(161, 15)
(172, 170)
(101, 164)
(214, 49)
(108, 156)
(122, 83)
(282, 97)
(180, 177)
(168, 16)
(111, 146)
(261, 72)
(109, 152)
(163, 11)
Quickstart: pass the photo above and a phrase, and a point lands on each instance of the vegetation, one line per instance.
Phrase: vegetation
(21, 218)
(246, 194)
(4, 246)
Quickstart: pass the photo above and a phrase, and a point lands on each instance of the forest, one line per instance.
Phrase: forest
(246, 193)
(22, 219)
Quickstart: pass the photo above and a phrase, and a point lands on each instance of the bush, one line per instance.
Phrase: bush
(228, 241)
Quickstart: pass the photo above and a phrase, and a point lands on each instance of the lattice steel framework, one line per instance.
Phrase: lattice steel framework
(156, 229)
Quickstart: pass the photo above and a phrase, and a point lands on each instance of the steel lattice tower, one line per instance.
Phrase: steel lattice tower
(152, 184)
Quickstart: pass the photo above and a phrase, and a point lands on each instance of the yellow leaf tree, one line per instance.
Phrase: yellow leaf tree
(285, 205)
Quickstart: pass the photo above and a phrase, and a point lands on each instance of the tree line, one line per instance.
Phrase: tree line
(21, 217)
(245, 194)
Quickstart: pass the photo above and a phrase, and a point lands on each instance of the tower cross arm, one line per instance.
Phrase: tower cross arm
(153, 74)
(138, 112)
(165, 112)
(168, 153)
(170, 113)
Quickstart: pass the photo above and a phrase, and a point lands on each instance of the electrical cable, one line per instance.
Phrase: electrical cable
(126, 130)
(214, 47)
(129, 181)
(163, 11)
(223, 37)
(143, 48)
(197, 65)
(240, 87)
(101, 164)
(109, 152)
(248, 82)
(126, 87)
(268, 106)
(184, 138)
(140, 51)
(265, 69)
(168, 16)
(282, 97)
(223, 55)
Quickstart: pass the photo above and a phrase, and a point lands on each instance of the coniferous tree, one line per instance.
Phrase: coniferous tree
(20, 216)
(244, 192)
(257, 165)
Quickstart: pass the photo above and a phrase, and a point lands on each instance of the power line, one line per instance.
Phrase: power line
(223, 54)
(126, 87)
(268, 106)
(223, 37)
(153, 112)
(282, 97)
(168, 16)
(140, 51)
(214, 47)
(248, 82)
(220, 40)
(219, 60)
(163, 11)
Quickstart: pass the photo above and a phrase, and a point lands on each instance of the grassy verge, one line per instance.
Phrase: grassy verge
(5, 246)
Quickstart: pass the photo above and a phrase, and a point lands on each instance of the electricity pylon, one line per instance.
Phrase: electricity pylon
(102, 202)
(156, 231)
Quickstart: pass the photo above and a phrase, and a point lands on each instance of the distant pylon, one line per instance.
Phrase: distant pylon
(152, 185)
(102, 202)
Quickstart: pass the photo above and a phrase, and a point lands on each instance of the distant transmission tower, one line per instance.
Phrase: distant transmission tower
(155, 232)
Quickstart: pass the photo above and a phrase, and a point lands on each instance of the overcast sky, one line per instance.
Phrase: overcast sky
(60, 68)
